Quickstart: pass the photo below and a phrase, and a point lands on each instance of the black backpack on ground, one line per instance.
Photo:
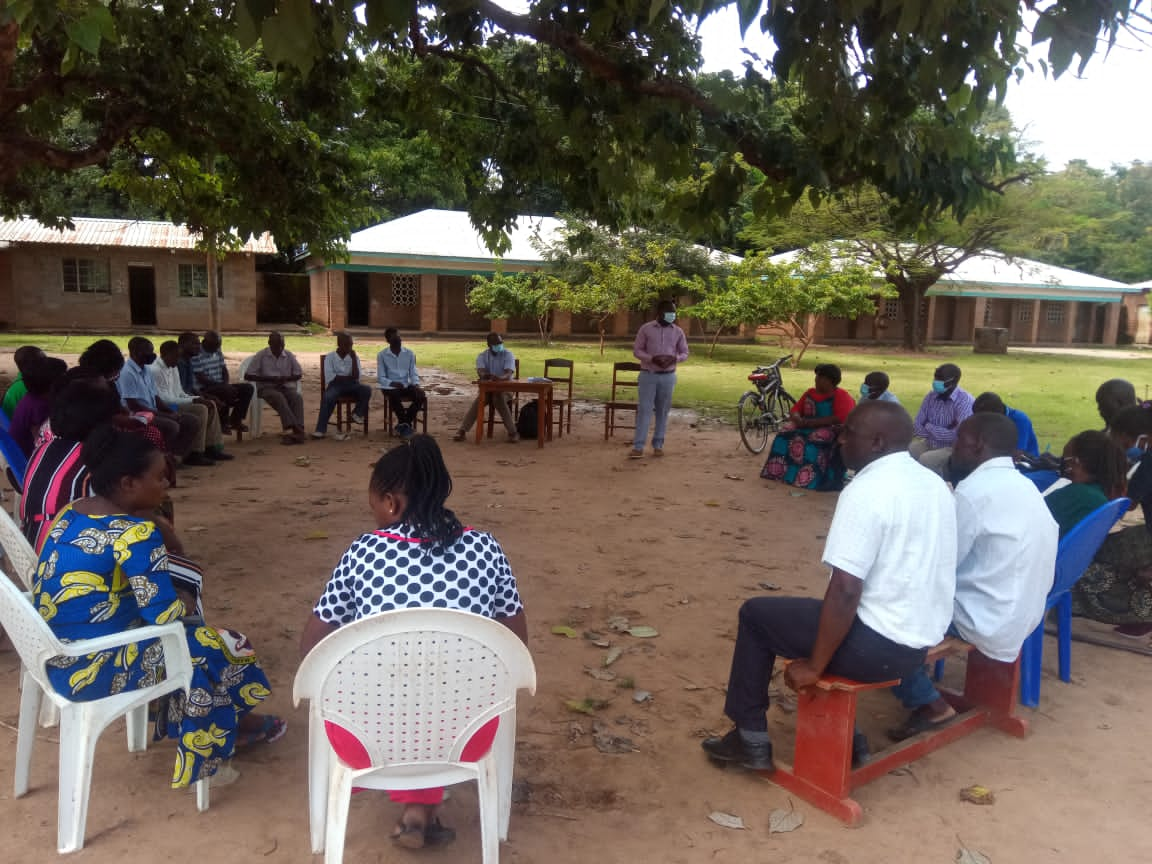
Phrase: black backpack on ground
(526, 422)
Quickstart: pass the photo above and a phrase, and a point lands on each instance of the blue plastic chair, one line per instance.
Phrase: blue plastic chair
(14, 456)
(1043, 479)
(1073, 556)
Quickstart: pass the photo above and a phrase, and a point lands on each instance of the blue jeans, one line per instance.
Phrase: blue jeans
(333, 392)
(916, 689)
(654, 395)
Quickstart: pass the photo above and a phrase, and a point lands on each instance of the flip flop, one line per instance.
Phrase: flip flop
(918, 721)
(270, 731)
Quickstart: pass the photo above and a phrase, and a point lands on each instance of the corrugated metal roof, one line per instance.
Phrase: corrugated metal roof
(992, 271)
(116, 232)
(449, 235)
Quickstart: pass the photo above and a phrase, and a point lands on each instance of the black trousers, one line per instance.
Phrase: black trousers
(397, 396)
(772, 627)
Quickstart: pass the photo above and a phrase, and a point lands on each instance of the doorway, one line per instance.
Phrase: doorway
(359, 298)
(142, 295)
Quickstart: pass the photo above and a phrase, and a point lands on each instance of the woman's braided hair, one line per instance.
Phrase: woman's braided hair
(417, 469)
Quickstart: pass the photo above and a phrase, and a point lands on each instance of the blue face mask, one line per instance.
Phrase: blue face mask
(865, 390)
(497, 349)
(939, 387)
(669, 317)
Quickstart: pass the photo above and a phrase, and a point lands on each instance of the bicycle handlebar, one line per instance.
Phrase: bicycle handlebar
(774, 365)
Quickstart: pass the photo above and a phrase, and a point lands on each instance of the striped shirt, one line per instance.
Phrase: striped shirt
(939, 416)
(55, 478)
(654, 339)
(210, 365)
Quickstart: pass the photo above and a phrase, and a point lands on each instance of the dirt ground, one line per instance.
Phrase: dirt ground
(677, 544)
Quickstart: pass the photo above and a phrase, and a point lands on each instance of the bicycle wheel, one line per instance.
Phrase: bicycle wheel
(751, 417)
(779, 407)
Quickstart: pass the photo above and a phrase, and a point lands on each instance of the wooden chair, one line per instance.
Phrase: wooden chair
(345, 405)
(561, 401)
(421, 415)
(515, 404)
(620, 387)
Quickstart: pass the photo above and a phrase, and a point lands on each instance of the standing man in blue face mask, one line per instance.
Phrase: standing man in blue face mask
(496, 363)
(659, 346)
(940, 415)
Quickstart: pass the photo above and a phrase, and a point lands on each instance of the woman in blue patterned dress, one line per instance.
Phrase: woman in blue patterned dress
(102, 570)
(805, 450)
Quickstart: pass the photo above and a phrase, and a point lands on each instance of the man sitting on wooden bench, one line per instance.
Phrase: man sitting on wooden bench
(1006, 559)
(892, 552)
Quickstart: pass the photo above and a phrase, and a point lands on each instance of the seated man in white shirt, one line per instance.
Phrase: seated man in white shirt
(342, 378)
(892, 553)
(1006, 559)
(397, 379)
(209, 442)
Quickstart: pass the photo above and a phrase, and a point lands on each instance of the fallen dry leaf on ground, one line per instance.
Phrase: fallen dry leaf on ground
(726, 820)
(780, 821)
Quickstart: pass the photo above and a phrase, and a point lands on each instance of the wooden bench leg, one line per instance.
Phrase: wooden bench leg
(993, 685)
(825, 721)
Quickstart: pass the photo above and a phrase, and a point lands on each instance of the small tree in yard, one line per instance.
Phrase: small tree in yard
(517, 295)
(636, 282)
(788, 297)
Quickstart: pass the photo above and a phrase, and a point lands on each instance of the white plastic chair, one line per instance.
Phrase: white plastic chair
(22, 564)
(256, 406)
(81, 722)
(412, 686)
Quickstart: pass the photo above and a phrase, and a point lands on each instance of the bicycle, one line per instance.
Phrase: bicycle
(761, 411)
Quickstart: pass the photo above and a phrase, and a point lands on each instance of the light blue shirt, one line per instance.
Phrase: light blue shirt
(135, 382)
(887, 396)
(396, 368)
(496, 365)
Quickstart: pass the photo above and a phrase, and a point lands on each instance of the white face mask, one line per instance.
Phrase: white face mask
(669, 317)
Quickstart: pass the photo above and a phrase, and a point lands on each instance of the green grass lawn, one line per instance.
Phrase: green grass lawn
(1056, 391)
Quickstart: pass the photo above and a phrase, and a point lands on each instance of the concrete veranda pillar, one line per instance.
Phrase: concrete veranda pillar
(1111, 323)
(429, 302)
(1034, 331)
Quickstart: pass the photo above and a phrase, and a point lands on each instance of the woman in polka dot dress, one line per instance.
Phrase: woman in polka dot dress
(421, 556)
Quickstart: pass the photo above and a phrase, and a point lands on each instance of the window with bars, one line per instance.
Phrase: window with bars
(1054, 313)
(192, 280)
(406, 289)
(85, 276)
(1024, 313)
(892, 309)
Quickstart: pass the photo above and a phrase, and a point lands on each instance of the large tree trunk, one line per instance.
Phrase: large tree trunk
(911, 292)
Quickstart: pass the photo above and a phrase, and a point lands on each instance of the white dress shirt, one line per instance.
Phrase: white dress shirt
(167, 381)
(335, 365)
(1006, 554)
(895, 529)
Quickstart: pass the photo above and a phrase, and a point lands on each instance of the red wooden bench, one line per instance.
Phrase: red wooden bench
(822, 772)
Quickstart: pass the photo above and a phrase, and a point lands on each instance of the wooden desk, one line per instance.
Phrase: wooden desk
(541, 389)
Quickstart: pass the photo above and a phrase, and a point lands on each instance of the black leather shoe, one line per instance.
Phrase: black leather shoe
(733, 748)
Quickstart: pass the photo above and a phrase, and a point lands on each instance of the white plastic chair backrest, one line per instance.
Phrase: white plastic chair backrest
(17, 550)
(414, 685)
(33, 638)
(247, 361)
